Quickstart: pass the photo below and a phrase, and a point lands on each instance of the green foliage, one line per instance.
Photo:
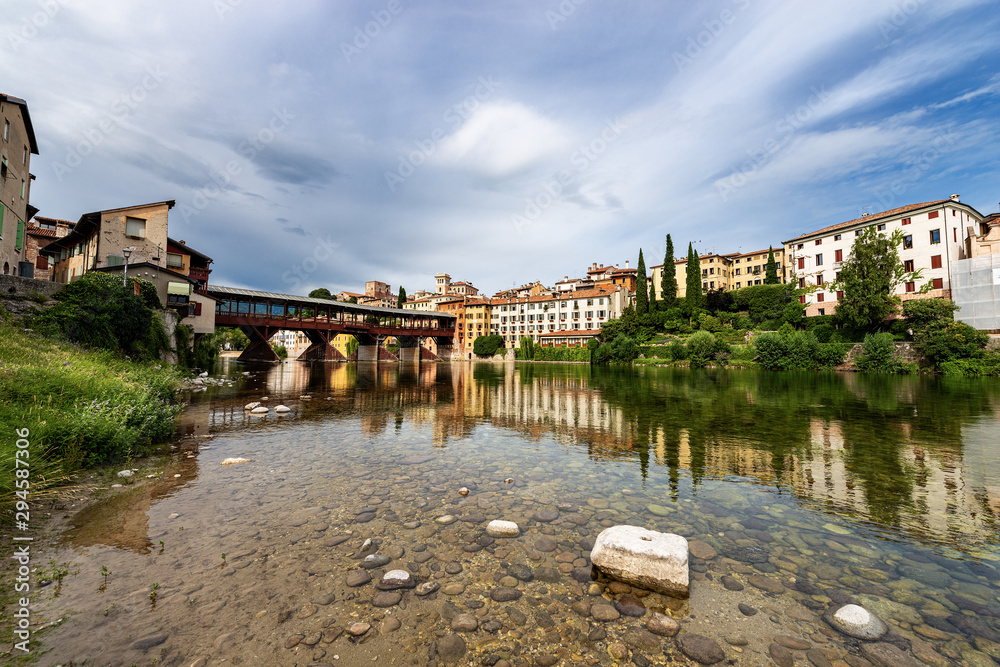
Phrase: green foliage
(401, 299)
(641, 296)
(551, 353)
(868, 278)
(708, 323)
(771, 272)
(764, 302)
(719, 300)
(621, 350)
(321, 293)
(823, 332)
(206, 351)
(237, 339)
(352, 346)
(280, 350)
(668, 278)
(693, 298)
(156, 341)
(793, 312)
(942, 341)
(593, 344)
(795, 350)
(487, 346)
(921, 312)
(878, 355)
(986, 365)
(527, 346)
(700, 347)
(182, 339)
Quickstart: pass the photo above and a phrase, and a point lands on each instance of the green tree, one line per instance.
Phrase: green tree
(487, 346)
(771, 272)
(693, 299)
(321, 293)
(527, 348)
(401, 299)
(668, 278)
(353, 299)
(641, 296)
(868, 278)
(352, 346)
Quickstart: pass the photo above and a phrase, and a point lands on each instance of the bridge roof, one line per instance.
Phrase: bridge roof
(274, 296)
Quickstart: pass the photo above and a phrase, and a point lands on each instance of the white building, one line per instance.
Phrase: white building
(934, 235)
(576, 311)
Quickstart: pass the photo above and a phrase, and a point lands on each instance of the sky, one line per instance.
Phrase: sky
(319, 144)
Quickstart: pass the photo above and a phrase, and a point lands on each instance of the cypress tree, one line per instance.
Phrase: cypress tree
(693, 297)
(668, 278)
(401, 299)
(771, 274)
(641, 297)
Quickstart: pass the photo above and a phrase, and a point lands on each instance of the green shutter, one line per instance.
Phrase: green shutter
(19, 243)
(1, 219)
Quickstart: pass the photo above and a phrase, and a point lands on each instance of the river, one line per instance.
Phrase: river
(798, 492)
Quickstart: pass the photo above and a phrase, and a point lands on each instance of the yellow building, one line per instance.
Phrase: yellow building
(715, 274)
(749, 268)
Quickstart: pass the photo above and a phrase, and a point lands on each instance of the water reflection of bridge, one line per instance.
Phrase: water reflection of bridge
(933, 488)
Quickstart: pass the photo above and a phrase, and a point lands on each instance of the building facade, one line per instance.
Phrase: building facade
(17, 145)
(576, 311)
(39, 233)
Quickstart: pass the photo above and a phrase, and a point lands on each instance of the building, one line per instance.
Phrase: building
(715, 274)
(294, 342)
(39, 233)
(934, 235)
(750, 268)
(569, 312)
(17, 145)
(983, 239)
(347, 296)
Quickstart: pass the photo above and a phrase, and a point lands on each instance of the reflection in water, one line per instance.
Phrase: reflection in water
(916, 454)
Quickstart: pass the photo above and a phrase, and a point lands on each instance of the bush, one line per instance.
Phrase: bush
(280, 350)
(823, 332)
(797, 350)
(878, 354)
(487, 346)
(921, 312)
(987, 365)
(700, 348)
(942, 341)
(621, 350)
(764, 302)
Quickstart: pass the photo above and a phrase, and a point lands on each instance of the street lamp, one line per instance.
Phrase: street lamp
(127, 252)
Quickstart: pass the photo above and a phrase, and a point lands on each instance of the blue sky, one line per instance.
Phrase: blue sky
(326, 144)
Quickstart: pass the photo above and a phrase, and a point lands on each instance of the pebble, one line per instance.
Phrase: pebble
(746, 609)
(545, 545)
(736, 640)
(700, 648)
(464, 623)
(663, 625)
(855, 621)
(453, 568)
(545, 516)
(324, 599)
(792, 643)
(291, 641)
(358, 578)
(782, 656)
(395, 579)
(149, 642)
(358, 629)
(504, 594)
(375, 560)
(387, 599)
(702, 550)
(604, 612)
(731, 584)
(497, 528)
(427, 588)
(521, 572)
(451, 648)
(453, 589)
(766, 584)
(886, 655)
(629, 605)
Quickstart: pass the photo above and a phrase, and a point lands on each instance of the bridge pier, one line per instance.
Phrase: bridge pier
(445, 347)
(321, 348)
(409, 348)
(370, 348)
(259, 348)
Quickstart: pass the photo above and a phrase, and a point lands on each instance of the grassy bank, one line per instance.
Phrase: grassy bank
(81, 407)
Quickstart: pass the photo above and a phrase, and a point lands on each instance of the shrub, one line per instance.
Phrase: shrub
(280, 350)
(487, 346)
(921, 312)
(941, 341)
(823, 332)
(878, 354)
(621, 350)
(700, 348)
(797, 350)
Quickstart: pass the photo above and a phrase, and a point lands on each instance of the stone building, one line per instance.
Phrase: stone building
(17, 145)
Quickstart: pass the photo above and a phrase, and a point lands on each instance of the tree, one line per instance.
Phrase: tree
(527, 348)
(693, 297)
(401, 299)
(353, 299)
(668, 278)
(641, 297)
(322, 293)
(771, 273)
(868, 278)
(352, 346)
(487, 346)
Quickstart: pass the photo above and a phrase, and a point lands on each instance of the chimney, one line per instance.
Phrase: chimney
(626, 263)
(955, 198)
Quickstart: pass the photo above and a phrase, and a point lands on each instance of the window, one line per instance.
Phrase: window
(819, 280)
(904, 221)
(2, 209)
(911, 286)
(954, 234)
(3, 168)
(819, 241)
(704, 285)
(802, 283)
(135, 228)
(115, 260)
(819, 259)
(822, 311)
(837, 276)
(802, 299)
(737, 272)
(932, 215)
(6, 130)
(908, 242)
(880, 227)
(935, 236)
(857, 232)
(837, 237)
(801, 246)
(840, 294)
(802, 262)
(908, 266)
(22, 188)
(738, 285)
(937, 283)
(24, 156)
(820, 297)
(42, 263)
(19, 241)
(838, 256)
(935, 262)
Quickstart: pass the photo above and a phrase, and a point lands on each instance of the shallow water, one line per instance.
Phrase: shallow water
(802, 491)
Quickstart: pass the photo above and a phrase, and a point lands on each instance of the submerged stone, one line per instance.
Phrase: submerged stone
(647, 558)
(499, 528)
(857, 622)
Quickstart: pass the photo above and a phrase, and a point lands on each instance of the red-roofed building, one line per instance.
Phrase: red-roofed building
(576, 311)
(39, 233)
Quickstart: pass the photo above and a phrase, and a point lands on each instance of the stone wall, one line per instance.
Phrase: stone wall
(904, 349)
(19, 296)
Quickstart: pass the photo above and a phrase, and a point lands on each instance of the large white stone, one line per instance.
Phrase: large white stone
(499, 528)
(259, 411)
(646, 558)
(282, 409)
(251, 406)
(855, 621)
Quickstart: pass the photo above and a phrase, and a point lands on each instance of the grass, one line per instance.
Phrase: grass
(82, 408)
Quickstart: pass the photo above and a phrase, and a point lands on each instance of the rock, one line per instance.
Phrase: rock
(857, 622)
(516, 616)
(453, 568)
(663, 625)
(746, 609)
(390, 624)
(629, 605)
(817, 658)
(451, 648)
(149, 642)
(547, 574)
(604, 612)
(261, 410)
(464, 623)
(395, 579)
(387, 599)
(545, 516)
(792, 643)
(499, 528)
(282, 409)
(358, 578)
(887, 655)
(427, 588)
(291, 641)
(580, 574)
(453, 589)
(731, 584)
(374, 560)
(125, 473)
(749, 554)
(766, 584)
(545, 544)
(491, 626)
(463, 491)
(358, 629)
(702, 550)
(736, 640)
(658, 510)
(324, 599)
(700, 648)
(546, 660)
(521, 572)
(782, 656)
(446, 519)
(251, 406)
(234, 461)
(336, 540)
(650, 559)
(504, 594)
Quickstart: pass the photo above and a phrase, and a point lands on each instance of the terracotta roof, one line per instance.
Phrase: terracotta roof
(564, 333)
(871, 218)
(635, 271)
(38, 231)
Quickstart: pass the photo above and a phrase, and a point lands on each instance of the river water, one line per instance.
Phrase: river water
(798, 492)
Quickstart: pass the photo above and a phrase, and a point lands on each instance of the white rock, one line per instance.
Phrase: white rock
(116, 486)
(203, 375)
(647, 558)
(251, 406)
(858, 622)
(259, 411)
(234, 461)
(282, 408)
(125, 473)
(446, 519)
(499, 528)
(177, 475)
(394, 579)
(263, 398)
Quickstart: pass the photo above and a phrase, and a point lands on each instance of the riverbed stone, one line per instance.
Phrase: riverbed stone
(387, 599)
(498, 528)
(792, 643)
(629, 605)
(663, 625)
(545, 516)
(700, 648)
(464, 623)
(374, 560)
(884, 654)
(504, 594)
(395, 579)
(766, 584)
(358, 629)
(702, 550)
(746, 609)
(731, 584)
(149, 642)
(856, 621)
(358, 578)
(781, 656)
(647, 558)
(451, 648)
(604, 612)
(427, 588)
